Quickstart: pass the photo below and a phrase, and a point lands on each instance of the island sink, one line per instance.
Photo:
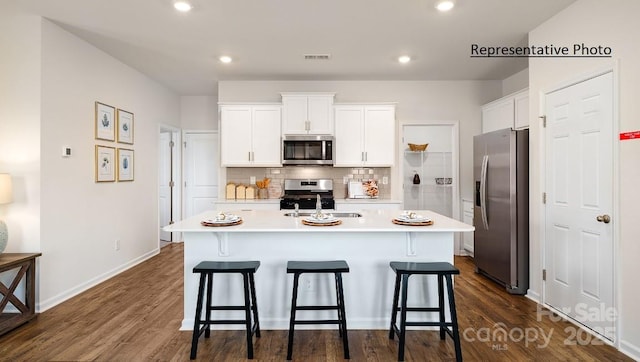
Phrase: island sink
(336, 214)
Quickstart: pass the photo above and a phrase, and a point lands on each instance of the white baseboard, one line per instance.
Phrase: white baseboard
(55, 300)
(534, 296)
(630, 350)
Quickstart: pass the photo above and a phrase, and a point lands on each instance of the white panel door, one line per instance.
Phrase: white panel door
(578, 242)
(379, 135)
(349, 135)
(201, 172)
(164, 179)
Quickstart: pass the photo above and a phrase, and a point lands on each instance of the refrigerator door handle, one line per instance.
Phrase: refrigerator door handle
(483, 191)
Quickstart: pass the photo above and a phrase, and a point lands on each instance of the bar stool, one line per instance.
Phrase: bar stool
(206, 270)
(336, 267)
(443, 271)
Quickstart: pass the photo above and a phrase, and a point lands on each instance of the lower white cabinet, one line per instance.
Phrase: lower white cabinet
(355, 205)
(231, 205)
(467, 218)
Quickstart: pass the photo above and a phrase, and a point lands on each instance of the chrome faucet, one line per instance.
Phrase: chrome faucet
(296, 210)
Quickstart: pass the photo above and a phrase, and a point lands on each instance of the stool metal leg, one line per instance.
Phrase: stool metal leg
(254, 303)
(342, 316)
(292, 319)
(454, 319)
(394, 307)
(196, 320)
(403, 317)
(247, 315)
(207, 318)
(441, 317)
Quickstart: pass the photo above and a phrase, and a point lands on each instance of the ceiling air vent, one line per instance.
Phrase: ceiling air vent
(317, 56)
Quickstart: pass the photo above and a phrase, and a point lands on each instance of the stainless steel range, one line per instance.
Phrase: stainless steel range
(305, 193)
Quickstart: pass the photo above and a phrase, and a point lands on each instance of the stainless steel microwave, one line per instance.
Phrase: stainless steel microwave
(308, 150)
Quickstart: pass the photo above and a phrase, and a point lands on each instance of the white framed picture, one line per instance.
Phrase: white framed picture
(105, 164)
(125, 164)
(125, 126)
(105, 122)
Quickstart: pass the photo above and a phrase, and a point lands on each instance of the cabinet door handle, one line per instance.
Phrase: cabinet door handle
(366, 156)
(249, 155)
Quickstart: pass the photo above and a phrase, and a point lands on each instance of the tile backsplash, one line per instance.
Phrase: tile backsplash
(242, 175)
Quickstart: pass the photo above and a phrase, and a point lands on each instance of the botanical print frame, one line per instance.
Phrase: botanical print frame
(105, 122)
(105, 164)
(125, 164)
(125, 126)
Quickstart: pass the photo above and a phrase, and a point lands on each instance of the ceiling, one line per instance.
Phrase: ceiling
(269, 38)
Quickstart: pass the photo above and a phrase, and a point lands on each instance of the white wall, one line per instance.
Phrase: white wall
(597, 22)
(516, 82)
(20, 126)
(199, 113)
(417, 102)
(54, 80)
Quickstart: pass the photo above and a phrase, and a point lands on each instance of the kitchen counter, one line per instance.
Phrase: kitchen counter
(367, 243)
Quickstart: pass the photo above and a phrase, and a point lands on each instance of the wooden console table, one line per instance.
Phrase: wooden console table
(26, 263)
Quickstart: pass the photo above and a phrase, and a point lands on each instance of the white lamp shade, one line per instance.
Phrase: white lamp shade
(6, 191)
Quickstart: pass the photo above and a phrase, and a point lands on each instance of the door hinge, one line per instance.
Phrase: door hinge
(171, 184)
(544, 274)
(544, 197)
(544, 121)
(185, 144)
(172, 144)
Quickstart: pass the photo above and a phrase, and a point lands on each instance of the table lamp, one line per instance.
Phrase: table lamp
(5, 198)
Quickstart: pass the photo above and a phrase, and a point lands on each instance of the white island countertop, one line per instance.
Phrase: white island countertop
(275, 221)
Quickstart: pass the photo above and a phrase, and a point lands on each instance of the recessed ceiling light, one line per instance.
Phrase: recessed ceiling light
(445, 5)
(404, 59)
(183, 6)
(225, 59)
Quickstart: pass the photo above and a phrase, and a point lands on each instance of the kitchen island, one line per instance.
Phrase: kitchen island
(368, 243)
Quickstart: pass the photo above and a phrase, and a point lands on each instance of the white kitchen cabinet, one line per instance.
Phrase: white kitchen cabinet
(250, 135)
(307, 113)
(511, 111)
(521, 110)
(365, 135)
(467, 218)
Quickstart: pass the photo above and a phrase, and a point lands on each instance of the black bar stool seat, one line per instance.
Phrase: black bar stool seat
(337, 267)
(443, 271)
(206, 269)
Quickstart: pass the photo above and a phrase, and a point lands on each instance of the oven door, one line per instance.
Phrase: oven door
(307, 150)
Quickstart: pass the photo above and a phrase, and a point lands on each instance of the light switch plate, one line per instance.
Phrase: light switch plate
(66, 151)
(385, 180)
(252, 180)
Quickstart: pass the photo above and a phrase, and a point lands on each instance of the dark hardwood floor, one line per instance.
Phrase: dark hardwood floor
(136, 315)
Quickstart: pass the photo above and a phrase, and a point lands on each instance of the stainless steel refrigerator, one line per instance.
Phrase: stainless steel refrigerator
(501, 211)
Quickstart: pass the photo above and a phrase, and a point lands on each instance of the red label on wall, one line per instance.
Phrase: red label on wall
(630, 135)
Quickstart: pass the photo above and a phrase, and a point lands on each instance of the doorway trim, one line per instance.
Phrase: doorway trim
(176, 201)
(614, 69)
(455, 157)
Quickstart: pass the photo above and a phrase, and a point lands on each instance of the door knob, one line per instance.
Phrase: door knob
(604, 218)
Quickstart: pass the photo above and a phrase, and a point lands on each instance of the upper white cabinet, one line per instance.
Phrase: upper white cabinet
(511, 111)
(307, 113)
(250, 135)
(364, 135)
